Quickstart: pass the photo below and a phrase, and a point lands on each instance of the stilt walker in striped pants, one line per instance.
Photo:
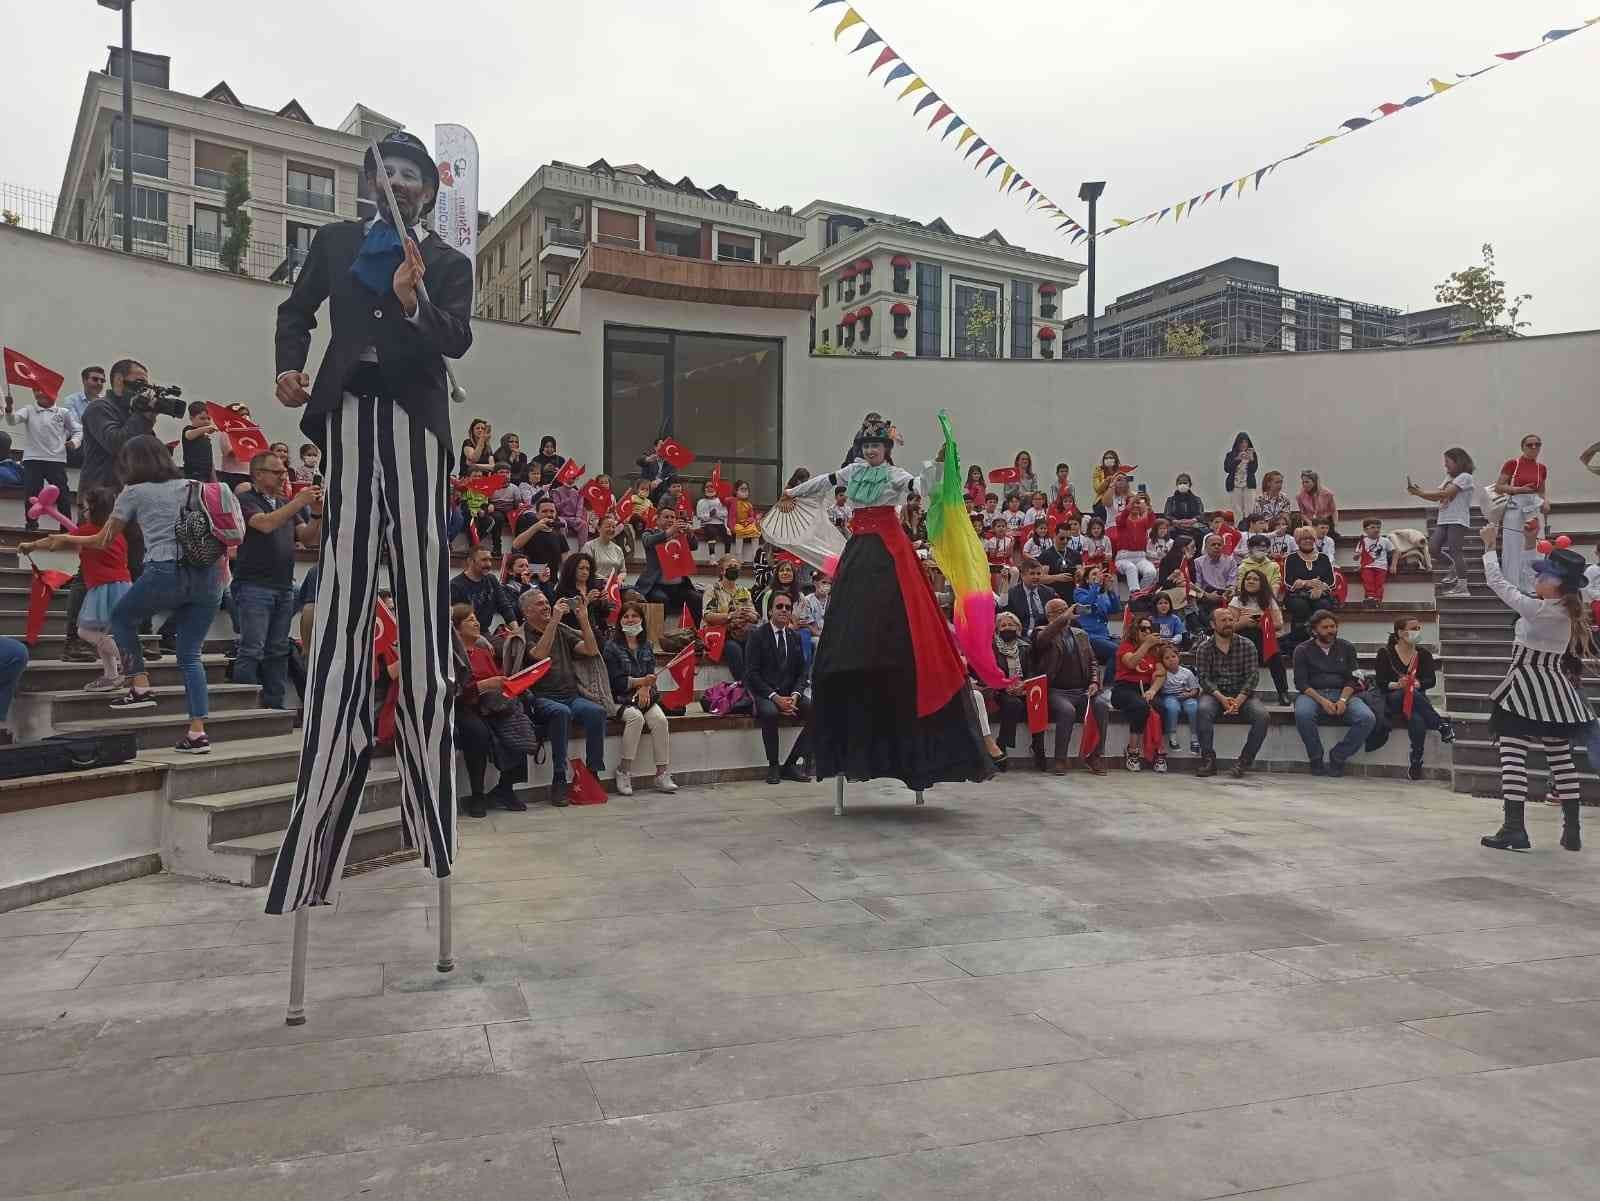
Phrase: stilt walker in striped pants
(1537, 707)
(380, 412)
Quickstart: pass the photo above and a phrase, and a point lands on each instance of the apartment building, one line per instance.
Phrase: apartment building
(528, 250)
(1243, 307)
(899, 288)
(302, 175)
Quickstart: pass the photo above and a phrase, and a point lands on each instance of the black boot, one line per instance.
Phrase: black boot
(1569, 827)
(1036, 744)
(1512, 834)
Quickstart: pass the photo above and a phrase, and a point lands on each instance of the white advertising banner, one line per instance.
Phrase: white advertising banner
(455, 217)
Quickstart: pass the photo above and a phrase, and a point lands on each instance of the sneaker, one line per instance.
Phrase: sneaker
(558, 793)
(1335, 767)
(1414, 772)
(624, 782)
(1318, 767)
(132, 700)
(1240, 766)
(1172, 742)
(1161, 764)
(105, 684)
(475, 806)
(79, 651)
(1131, 761)
(1194, 746)
(665, 782)
(1458, 591)
(169, 646)
(1449, 581)
(154, 654)
(1208, 766)
(1447, 731)
(194, 744)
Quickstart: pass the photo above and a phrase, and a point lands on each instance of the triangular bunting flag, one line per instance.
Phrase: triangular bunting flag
(1177, 210)
(911, 87)
(1121, 221)
(886, 56)
(1511, 56)
(1557, 34)
(955, 124)
(998, 162)
(977, 145)
(1355, 123)
(944, 111)
(1222, 192)
(1163, 213)
(851, 17)
(1388, 109)
(824, 4)
(900, 71)
(1439, 85)
(967, 135)
(930, 98)
(1262, 172)
(1238, 186)
(870, 38)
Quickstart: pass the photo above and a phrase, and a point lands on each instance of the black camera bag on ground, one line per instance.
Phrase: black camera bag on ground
(66, 753)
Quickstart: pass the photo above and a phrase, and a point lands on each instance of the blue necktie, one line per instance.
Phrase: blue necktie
(380, 257)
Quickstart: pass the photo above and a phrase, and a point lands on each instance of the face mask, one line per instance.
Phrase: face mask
(1413, 636)
(1108, 465)
(1183, 488)
(731, 574)
(1008, 635)
(632, 628)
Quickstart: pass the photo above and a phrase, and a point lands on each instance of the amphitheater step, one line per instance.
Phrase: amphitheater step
(162, 731)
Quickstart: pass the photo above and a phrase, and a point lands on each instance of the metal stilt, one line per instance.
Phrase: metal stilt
(919, 796)
(838, 796)
(297, 969)
(447, 961)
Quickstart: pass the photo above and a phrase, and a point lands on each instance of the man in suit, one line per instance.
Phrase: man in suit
(1028, 599)
(650, 585)
(380, 412)
(775, 678)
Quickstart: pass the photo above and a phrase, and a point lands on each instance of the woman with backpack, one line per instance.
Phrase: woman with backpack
(184, 524)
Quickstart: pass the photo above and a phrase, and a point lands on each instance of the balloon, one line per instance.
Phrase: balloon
(1563, 541)
(1543, 546)
(44, 505)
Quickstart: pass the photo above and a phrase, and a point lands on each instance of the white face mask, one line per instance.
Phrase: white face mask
(1183, 487)
(632, 628)
(1413, 636)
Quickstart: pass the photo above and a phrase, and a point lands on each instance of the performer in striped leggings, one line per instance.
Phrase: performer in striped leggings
(380, 412)
(1537, 707)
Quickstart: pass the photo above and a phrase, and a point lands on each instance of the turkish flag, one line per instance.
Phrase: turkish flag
(599, 498)
(675, 452)
(386, 630)
(720, 487)
(1052, 523)
(571, 472)
(624, 509)
(676, 559)
(685, 505)
(715, 639)
(1089, 744)
(614, 596)
(484, 485)
(526, 678)
(1152, 735)
(681, 669)
(1269, 635)
(586, 788)
(244, 436)
(686, 621)
(1005, 475)
(1409, 701)
(1038, 695)
(1341, 587)
(27, 373)
(44, 586)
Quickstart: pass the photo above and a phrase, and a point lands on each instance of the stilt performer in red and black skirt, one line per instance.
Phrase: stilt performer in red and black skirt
(889, 690)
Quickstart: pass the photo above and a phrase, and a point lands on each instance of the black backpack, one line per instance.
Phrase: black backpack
(198, 544)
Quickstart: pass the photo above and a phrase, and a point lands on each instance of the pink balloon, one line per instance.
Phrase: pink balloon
(1563, 541)
(1543, 546)
(44, 505)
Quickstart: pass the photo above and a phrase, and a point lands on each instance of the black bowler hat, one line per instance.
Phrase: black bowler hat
(405, 145)
(1566, 565)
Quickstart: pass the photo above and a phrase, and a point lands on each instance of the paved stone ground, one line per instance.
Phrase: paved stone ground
(1158, 988)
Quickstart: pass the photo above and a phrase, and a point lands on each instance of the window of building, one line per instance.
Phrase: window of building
(149, 147)
(721, 395)
(149, 214)
(500, 257)
(299, 237)
(1021, 320)
(902, 276)
(212, 164)
(866, 279)
(847, 288)
(617, 229)
(209, 230)
(930, 299)
(839, 334)
(310, 187)
(825, 335)
(976, 329)
(525, 291)
(825, 295)
(500, 306)
(735, 248)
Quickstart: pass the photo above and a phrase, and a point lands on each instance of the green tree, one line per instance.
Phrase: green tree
(1484, 292)
(979, 332)
(235, 218)
(1186, 340)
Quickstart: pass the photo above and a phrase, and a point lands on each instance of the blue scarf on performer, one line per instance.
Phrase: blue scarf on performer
(379, 258)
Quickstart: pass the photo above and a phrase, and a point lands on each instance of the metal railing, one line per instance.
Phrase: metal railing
(302, 198)
(27, 208)
(560, 235)
(613, 240)
(205, 177)
(143, 164)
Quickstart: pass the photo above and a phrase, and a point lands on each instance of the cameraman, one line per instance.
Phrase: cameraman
(128, 410)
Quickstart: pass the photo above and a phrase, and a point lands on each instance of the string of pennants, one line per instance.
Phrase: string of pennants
(968, 142)
(1436, 87)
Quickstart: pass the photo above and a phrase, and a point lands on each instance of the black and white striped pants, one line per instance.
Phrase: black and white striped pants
(387, 478)
(1564, 782)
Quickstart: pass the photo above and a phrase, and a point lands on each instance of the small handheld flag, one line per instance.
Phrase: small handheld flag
(28, 373)
(1038, 695)
(526, 678)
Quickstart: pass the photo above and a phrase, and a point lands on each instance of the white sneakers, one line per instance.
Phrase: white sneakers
(624, 781)
(665, 782)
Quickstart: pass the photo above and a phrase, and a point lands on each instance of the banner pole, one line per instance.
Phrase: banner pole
(297, 969)
(446, 958)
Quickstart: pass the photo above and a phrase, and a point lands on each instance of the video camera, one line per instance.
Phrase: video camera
(147, 398)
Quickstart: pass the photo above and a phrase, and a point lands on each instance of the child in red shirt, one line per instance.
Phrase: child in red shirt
(106, 581)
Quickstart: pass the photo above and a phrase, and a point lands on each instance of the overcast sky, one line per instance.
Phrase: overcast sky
(1161, 100)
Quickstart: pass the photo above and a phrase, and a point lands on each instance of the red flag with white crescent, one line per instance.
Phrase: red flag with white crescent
(1269, 635)
(386, 630)
(716, 641)
(624, 508)
(720, 487)
(526, 678)
(586, 788)
(1152, 735)
(1089, 746)
(244, 436)
(30, 373)
(1409, 701)
(599, 498)
(681, 669)
(1038, 696)
(45, 584)
(675, 452)
(571, 472)
(614, 596)
(1005, 475)
(676, 559)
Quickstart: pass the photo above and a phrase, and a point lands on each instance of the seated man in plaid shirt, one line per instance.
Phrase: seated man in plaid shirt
(1227, 667)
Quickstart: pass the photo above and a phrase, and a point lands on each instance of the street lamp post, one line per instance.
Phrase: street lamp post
(1090, 193)
(125, 7)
